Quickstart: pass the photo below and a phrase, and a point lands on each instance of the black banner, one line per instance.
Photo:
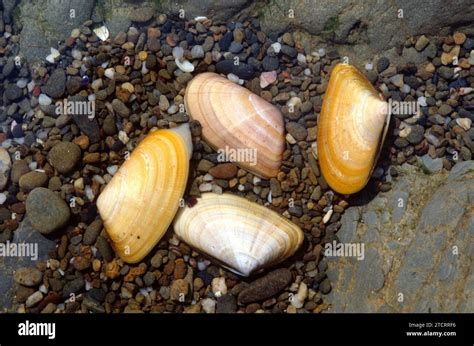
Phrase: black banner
(164, 329)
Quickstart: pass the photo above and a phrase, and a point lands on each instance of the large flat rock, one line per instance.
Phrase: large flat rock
(418, 247)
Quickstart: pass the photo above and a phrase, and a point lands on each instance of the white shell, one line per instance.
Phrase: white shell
(102, 32)
(184, 65)
(242, 235)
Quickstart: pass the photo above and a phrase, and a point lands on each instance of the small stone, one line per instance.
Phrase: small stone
(12, 92)
(208, 305)
(459, 38)
(19, 168)
(421, 43)
(242, 70)
(33, 179)
(104, 249)
(156, 261)
(56, 84)
(44, 100)
(30, 277)
(34, 299)
(445, 109)
(5, 166)
(73, 287)
(223, 171)
(446, 72)
(226, 304)
(289, 51)
(109, 125)
(64, 156)
(430, 165)
(46, 211)
(267, 78)
(465, 123)
(92, 232)
(120, 108)
(179, 290)
(397, 80)
(325, 286)
(235, 47)
(197, 52)
(219, 287)
(298, 131)
(270, 63)
(416, 134)
(266, 286)
(141, 14)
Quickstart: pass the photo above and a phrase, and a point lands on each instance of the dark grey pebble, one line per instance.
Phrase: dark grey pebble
(242, 70)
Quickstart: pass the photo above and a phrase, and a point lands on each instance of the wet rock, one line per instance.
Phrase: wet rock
(92, 232)
(33, 179)
(265, 287)
(56, 84)
(46, 210)
(12, 92)
(30, 277)
(423, 267)
(226, 304)
(64, 156)
(223, 171)
(242, 70)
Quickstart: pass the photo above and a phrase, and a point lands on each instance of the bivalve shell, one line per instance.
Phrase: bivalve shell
(351, 128)
(242, 126)
(242, 235)
(140, 202)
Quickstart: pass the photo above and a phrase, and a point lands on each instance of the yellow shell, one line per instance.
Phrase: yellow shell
(140, 202)
(242, 235)
(234, 118)
(351, 129)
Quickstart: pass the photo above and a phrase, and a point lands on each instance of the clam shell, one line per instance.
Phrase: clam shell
(140, 202)
(234, 118)
(351, 128)
(242, 235)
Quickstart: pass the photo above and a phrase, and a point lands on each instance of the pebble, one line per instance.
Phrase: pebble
(297, 131)
(179, 290)
(223, 171)
(267, 78)
(242, 70)
(12, 92)
(208, 305)
(141, 14)
(73, 287)
(105, 249)
(92, 232)
(219, 287)
(109, 73)
(56, 84)
(235, 47)
(416, 134)
(382, 64)
(64, 156)
(397, 80)
(430, 165)
(465, 123)
(44, 100)
(120, 108)
(270, 63)
(30, 276)
(226, 304)
(5, 166)
(34, 299)
(178, 52)
(18, 168)
(197, 52)
(421, 43)
(32, 180)
(266, 286)
(46, 211)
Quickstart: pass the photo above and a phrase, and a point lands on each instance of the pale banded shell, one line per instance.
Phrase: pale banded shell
(237, 121)
(242, 235)
(141, 200)
(351, 128)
